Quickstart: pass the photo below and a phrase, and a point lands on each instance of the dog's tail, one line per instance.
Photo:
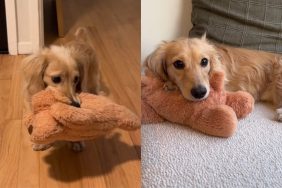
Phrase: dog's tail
(84, 34)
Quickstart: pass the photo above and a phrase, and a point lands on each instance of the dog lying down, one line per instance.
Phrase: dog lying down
(187, 63)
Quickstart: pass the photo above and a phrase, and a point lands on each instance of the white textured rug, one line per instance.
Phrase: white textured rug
(177, 156)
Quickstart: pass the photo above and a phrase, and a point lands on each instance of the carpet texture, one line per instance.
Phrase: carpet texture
(177, 156)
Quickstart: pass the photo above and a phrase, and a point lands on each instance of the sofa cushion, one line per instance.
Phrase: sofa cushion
(243, 23)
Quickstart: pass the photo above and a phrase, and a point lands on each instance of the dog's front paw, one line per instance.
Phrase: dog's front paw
(279, 114)
(41, 147)
(169, 86)
(77, 146)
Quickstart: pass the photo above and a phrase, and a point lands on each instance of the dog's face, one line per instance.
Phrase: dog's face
(55, 68)
(187, 63)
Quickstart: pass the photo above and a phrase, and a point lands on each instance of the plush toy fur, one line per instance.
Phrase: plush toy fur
(217, 115)
(54, 119)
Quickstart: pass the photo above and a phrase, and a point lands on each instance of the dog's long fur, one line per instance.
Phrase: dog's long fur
(76, 65)
(259, 73)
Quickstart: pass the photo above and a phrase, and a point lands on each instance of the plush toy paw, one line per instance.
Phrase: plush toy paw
(217, 120)
(149, 115)
(41, 147)
(169, 86)
(241, 102)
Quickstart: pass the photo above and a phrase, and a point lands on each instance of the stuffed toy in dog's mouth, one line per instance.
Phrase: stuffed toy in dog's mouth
(53, 118)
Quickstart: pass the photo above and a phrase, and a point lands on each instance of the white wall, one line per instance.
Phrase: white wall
(163, 20)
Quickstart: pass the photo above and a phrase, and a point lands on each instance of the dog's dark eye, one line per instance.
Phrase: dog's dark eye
(204, 62)
(76, 79)
(56, 79)
(179, 64)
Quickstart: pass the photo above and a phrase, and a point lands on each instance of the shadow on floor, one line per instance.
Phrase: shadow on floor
(99, 157)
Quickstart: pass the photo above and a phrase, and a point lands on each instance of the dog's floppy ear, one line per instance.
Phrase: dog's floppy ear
(33, 68)
(215, 62)
(215, 59)
(156, 62)
(88, 67)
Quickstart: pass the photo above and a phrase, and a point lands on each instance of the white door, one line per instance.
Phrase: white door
(24, 26)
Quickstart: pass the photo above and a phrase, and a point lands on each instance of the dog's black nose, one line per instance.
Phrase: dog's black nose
(75, 104)
(198, 92)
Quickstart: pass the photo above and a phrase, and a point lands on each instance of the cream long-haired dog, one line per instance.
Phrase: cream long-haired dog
(186, 64)
(70, 68)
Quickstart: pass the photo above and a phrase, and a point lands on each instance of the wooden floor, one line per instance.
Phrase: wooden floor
(113, 161)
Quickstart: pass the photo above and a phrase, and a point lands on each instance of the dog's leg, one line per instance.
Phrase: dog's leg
(278, 88)
(279, 106)
(169, 86)
(77, 146)
(279, 114)
(41, 147)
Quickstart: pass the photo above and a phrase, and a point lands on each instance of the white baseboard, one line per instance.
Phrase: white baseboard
(25, 47)
(12, 47)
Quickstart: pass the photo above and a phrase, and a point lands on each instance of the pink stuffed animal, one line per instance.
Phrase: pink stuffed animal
(217, 115)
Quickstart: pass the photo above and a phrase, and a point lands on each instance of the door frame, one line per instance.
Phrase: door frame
(11, 20)
(36, 29)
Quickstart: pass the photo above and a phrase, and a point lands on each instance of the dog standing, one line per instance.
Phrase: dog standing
(186, 64)
(70, 68)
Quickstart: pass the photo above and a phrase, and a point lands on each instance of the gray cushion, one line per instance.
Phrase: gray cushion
(254, 24)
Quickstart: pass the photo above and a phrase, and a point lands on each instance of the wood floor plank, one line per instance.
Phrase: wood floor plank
(58, 166)
(6, 67)
(29, 167)
(119, 166)
(10, 138)
(4, 98)
(16, 93)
